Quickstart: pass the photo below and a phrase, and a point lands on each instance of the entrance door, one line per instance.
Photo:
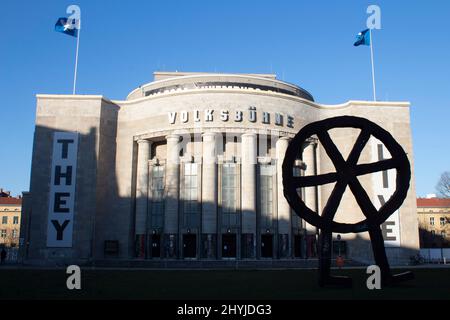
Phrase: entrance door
(229, 246)
(156, 246)
(311, 246)
(267, 246)
(298, 246)
(189, 246)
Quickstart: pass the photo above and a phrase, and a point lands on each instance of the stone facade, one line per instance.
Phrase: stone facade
(10, 217)
(188, 167)
(434, 222)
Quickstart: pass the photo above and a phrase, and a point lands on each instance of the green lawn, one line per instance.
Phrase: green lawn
(214, 284)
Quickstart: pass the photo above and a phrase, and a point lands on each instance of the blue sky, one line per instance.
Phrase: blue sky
(309, 43)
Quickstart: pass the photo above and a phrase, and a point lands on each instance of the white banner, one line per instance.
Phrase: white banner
(62, 189)
(384, 187)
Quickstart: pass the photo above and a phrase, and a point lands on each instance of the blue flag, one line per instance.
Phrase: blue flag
(363, 38)
(67, 26)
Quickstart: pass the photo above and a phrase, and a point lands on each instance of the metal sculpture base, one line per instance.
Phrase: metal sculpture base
(387, 279)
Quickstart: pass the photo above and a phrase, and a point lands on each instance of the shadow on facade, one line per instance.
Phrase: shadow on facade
(429, 239)
(105, 225)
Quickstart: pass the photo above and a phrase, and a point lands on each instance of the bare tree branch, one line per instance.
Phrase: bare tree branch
(443, 186)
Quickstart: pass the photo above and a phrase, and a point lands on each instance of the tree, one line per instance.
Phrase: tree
(443, 186)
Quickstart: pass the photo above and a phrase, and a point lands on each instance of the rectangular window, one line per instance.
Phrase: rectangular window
(431, 221)
(297, 171)
(266, 195)
(5, 220)
(15, 233)
(3, 233)
(229, 188)
(157, 194)
(443, 235)
(190, 199)
(296, 220)
(16, 220)
(442, 221)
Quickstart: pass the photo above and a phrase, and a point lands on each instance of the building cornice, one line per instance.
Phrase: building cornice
(350, 103)
(260, 77)
(344, 105)
(73, 97)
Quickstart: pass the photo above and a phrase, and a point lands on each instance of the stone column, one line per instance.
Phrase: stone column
(172, 195)
(141, 196)
(310, 192)
(284, 210)
(209, 183)
(248, 186)
(209, 190)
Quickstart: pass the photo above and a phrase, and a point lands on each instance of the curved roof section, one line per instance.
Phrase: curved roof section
(177, 81)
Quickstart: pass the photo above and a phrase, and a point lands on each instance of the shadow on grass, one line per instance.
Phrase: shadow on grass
(213, 285)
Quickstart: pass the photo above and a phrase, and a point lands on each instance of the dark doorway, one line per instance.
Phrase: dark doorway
(156, 246)
(267, 246)
(229, 246)
(189, 246)
(311, 245)
(298, 246)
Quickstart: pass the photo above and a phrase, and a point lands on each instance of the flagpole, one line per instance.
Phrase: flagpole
(373, 69)
(76, 57)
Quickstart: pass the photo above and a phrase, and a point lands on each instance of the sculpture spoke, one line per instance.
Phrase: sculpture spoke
(331, 150)
(311, 181)
(363, 200)
(382, 165)
(333, 201)
(358, 147)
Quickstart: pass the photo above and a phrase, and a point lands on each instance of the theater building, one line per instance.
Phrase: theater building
(189, 167)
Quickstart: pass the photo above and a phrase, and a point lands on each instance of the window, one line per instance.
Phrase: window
(157, 200)
(16, 220)
(443, 235)
(15, 233)
(190, 199)
(3, 233)
(431, 221)
(442, 221)
(229, 187)
(4, 219)
(266, 195)
(433, 233)
(296, 220)
(297, 171)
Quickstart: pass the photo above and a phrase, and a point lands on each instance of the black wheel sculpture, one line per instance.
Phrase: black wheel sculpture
(346, 174)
